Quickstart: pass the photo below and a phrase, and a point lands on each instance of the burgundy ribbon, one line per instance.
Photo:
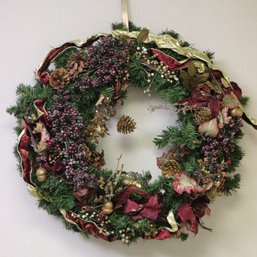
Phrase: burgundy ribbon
(23, 150)
(42, 74)
(88, 227)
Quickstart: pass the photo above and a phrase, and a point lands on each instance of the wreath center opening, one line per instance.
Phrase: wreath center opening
(137, 149)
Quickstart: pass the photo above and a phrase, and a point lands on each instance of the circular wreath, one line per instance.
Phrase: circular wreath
(63, 116)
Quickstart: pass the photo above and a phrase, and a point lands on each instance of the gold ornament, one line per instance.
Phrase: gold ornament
(41, 174)
(202, 115)
(237, 112)
(132, 182)
(107, 208)
(59, 78)
(126, 125)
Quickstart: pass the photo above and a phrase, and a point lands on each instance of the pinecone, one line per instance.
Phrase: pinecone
(95, 158)
(77, 63)
(96, 128)
(202, 115)
(59, 78)
(170, 169)
(126, 124)
(168, 165)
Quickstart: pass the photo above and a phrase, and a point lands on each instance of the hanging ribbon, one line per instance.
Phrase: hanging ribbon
(124, 11)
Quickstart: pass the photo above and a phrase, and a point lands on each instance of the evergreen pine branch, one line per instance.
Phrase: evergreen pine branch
(175, 135)
(121, 26)
(231, 184)
(210, 54)
(174, 93)
(26, 97)
(61, 60)
(244, 100)
(137, 72)
(171, 32)
(236, 157)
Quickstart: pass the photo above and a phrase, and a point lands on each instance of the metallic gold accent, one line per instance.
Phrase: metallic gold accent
(172, 222)
(167, 41)
(35, 192)
(124, 10)
(251, 119)
(201, 68)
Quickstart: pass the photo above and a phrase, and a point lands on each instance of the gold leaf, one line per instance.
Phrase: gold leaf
(202, 78)
(38, 128)
(143, 35)
(192, 69)
(214, 86)
(225, 83)
(123, 38)
(231, 101)
(185, 78)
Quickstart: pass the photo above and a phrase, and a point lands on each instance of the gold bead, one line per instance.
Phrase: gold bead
(237, 112)
(107, 208)
(41, 174)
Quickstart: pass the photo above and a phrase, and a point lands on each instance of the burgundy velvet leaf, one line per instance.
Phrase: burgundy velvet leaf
(214, 105)
(151, 209)
(163, 234)
(217, 74)
(124, 195)
(200, 206)
(236, 89)
(188, 217)
(132, 207)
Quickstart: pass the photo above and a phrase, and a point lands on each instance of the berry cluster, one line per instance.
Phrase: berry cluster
(67, 140)
(107, 60)
(217, 151)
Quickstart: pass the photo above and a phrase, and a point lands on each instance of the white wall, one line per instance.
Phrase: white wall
(28, 30)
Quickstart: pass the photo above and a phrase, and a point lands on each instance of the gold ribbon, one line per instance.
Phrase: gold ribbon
(168, 42)
(124, 11)
(171, 220)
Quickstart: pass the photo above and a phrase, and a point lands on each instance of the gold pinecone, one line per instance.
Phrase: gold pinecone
(95, 158)
(59, 78)
(96, 128)
(77, 63)
(170, 169)
(202, 115)
(168, 165)
(126, 124)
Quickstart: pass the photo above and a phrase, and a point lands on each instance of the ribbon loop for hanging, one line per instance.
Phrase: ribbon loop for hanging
(124, 10)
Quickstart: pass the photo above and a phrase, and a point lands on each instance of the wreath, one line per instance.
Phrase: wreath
(78, 88)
